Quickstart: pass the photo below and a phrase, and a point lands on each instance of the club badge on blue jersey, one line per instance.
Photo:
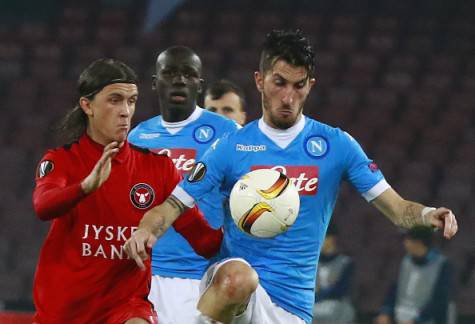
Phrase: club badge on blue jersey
(204, 134)
(142, 195)
(316, 146)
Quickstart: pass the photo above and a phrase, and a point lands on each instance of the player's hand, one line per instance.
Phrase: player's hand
(137, 245)
(101, 170)
(382, 319)
(443, 219)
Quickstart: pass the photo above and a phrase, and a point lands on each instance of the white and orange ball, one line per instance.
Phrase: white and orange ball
(264, 203)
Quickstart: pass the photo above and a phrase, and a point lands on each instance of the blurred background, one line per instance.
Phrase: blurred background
(398, 75)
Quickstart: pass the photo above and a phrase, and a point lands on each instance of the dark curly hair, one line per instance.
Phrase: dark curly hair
(288, 45)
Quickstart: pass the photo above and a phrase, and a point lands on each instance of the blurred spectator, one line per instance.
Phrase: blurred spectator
(422, 292)
(227, 99)
(335, 276)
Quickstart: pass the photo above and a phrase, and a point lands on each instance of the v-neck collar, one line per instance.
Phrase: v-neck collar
(282, 137)
(174, 127)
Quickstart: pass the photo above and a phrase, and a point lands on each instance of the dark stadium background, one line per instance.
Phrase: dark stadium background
(398, 75)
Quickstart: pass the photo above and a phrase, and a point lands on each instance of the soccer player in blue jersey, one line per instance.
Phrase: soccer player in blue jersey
(184, 132)
(273, 280)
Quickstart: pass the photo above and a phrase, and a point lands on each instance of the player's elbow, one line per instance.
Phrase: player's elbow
(42, 213)
(209, 245)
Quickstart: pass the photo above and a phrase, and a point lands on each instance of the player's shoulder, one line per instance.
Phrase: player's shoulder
(217, 119)
(248, 130)
(145, 152)
(146, 155)
(63, 150)
(330, 132)
(147, 126)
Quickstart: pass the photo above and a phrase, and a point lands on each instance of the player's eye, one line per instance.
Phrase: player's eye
(213, 109)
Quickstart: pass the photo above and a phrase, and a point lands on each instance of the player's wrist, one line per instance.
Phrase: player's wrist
(425, 215)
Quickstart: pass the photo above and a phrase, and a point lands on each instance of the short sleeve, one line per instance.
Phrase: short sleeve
(210, 171)
(362, 172)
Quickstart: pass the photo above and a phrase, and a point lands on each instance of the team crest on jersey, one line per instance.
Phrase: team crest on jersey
(204, 133)
(44, 168)
(142, 195)
(197, 173)
(316, 146)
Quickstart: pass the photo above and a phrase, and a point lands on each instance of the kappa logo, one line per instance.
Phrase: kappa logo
(142, 195)
(316, 146)
(250, 148)
(197, 173)
(204, 134)
(44, 168)
(149, 136)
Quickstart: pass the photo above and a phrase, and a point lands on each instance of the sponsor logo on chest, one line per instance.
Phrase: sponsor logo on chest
(184, 159)
(305, 178)
(107, 242)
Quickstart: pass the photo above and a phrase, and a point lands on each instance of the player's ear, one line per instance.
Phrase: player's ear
(259, 78)
(85, 105)
(201, 86)
(154, 82)
(312, 82)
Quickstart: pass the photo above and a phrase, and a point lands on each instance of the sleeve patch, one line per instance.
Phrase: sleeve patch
(44, 168)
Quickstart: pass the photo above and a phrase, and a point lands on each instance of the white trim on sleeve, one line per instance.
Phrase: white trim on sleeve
(183, 196)
(376, 190)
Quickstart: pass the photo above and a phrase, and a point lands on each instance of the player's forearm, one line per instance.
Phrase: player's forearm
(401, 212)
(52, 201)
(409, 214)
(158, 219)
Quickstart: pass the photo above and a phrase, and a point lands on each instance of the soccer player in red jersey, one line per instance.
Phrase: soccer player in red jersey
(95, 191)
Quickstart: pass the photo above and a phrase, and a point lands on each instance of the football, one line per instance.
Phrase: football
(264, 203)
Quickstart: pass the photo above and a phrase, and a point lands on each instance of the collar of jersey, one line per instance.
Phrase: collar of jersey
(95, 150)
(282, 137)
(175, 127)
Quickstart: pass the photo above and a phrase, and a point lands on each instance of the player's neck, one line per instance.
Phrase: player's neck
(196, 113)
(173, 115)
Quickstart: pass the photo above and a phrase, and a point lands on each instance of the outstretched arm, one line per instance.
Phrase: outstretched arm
(407, 213)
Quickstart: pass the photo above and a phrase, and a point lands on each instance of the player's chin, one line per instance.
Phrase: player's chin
(121, 135)
(287, 121)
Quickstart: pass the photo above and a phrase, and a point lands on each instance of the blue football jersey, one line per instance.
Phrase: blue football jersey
(317, 160)
(173, 256)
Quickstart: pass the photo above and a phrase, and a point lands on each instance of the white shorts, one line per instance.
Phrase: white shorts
(174, 299)
(260, 310)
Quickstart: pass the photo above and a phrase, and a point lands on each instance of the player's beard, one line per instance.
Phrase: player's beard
(280, 123)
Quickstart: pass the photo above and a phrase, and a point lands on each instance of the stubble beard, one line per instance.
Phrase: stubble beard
(280, 123)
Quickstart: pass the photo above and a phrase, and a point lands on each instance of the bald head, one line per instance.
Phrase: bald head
(179, 55)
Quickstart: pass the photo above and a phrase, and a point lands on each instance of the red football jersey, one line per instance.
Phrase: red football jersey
(83, 273)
